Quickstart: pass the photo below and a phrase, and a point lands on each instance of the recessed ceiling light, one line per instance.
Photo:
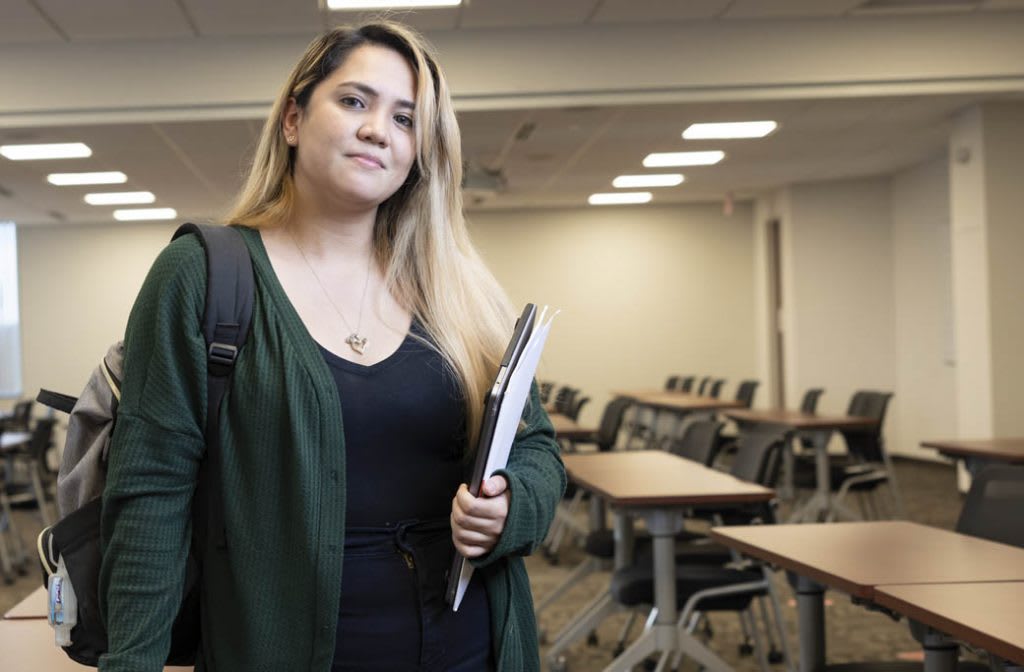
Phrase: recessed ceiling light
(64, 179)
(620, 198)
(384, 4)
(120, 198)
(666, 159)
(54, 150)
(729, 130)
(639, 181)
(136, 214)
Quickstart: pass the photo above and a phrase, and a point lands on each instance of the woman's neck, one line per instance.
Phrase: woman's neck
(336, 238)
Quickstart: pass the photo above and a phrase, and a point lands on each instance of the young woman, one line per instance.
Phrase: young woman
(347, 431)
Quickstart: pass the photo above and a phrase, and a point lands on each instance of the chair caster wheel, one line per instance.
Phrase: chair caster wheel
(560, 664)
(592, 639)
(745, 649)
(775, 657)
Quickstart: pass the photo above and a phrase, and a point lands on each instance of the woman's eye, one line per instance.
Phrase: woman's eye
(351, 101)
(404, 120)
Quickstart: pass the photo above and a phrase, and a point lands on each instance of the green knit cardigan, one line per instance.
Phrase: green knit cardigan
(270, 598)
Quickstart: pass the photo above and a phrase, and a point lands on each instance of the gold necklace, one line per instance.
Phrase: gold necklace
(354, 340)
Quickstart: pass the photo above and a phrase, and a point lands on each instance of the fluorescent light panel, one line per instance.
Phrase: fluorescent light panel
(643, 181)
(620, 198)
(667, 159)
(55, 150)
(729, 130)
(65, 179)
(136, 214)
(120, 198)
(383, 4)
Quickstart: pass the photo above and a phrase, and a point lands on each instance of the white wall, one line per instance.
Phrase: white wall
(644, 291)
(922, 289)
(77, 287)
(838, 291)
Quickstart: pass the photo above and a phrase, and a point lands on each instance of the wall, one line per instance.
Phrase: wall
(644, 291)
(922, 289)
(77, 287)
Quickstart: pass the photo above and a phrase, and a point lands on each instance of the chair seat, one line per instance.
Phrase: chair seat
(601, 544)
(634, 585)
(805, 475)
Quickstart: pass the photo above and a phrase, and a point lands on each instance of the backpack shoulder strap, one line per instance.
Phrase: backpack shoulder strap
(230, 291)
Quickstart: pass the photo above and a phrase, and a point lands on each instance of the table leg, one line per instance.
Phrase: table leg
(940, 653)
(810, 602)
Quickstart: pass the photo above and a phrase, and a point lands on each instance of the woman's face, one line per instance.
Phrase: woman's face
(355, 141)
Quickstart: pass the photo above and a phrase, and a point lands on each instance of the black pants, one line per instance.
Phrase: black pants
(393, 615)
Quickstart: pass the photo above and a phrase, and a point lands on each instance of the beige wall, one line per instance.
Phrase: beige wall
(922, 290)
(77, 287)
(644, 291)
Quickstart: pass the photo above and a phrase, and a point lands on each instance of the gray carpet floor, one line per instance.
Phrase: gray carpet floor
(853, 633)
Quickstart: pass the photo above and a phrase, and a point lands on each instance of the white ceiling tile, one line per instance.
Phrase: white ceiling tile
(623, 11)
(22, 23)
(505, 14)
(255, 17)
(118, 19)
(759, 9)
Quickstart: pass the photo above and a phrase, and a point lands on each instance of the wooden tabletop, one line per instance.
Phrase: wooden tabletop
(657, 478)
(33, 606)
(565, 428)
(856, 557)
(988, 615)
(676, 401)
(27, 645)
(1004, 450)
(799, 420)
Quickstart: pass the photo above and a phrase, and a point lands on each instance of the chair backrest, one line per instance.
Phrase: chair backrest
(671, 383)
(611, 423)
(716, 388)
(40, 443)
(577, 405)
(544, 388)
(809, 404)
(699, 442)
(994, 505)
(703, 385)
(867, 445)
(686, 383)
(758, 458)
(564, 398)
(20, 417)
(745, 392)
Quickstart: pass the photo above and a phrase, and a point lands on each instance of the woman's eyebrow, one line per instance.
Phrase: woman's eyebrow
(372, 92)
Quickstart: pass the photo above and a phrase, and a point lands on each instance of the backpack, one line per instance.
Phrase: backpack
(70, 550)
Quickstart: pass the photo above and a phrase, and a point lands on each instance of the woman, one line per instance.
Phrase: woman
(372, 305)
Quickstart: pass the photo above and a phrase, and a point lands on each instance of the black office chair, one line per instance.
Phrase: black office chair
(686, 383)
(39, 491)
(703, 385)
(564, 398)
(544, 388)
(20, 417)
(746, 391)
(671, 383)
(699, 442)
(710, 585)
(715, 390)
(573, 412)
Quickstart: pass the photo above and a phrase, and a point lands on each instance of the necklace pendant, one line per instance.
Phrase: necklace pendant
(356, 343)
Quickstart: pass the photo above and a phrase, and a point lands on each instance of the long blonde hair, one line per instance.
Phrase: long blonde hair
(420, 236)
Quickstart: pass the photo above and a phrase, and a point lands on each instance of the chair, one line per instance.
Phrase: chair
(699, 442)
(703, 587)
(745, 392)
(573, 411)
(545, 387)
(867, 465)
(703, 385)
(20, 417)
(686, 383)
(715, 390)
(563, 399)
(671, 383)
(37, 491)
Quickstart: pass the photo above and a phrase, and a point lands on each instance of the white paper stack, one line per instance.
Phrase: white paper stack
(516, 394)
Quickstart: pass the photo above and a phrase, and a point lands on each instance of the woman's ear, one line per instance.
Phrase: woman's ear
(290, 122)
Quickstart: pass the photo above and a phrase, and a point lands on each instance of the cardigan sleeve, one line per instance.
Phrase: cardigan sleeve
(536, 480)
(155, 451)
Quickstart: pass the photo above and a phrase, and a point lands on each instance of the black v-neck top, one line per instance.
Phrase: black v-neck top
(404, 424)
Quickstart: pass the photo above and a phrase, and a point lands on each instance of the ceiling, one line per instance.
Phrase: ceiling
(550, 157)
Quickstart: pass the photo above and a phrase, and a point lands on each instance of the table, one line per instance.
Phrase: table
(656, 486)
(820, 427)
(28, 646)
(33, 606)
(566, 428)
(986, 615)
(856, 558)
(678, 404)
(978, 453)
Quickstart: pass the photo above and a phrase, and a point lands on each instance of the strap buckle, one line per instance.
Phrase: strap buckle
(223, 354)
